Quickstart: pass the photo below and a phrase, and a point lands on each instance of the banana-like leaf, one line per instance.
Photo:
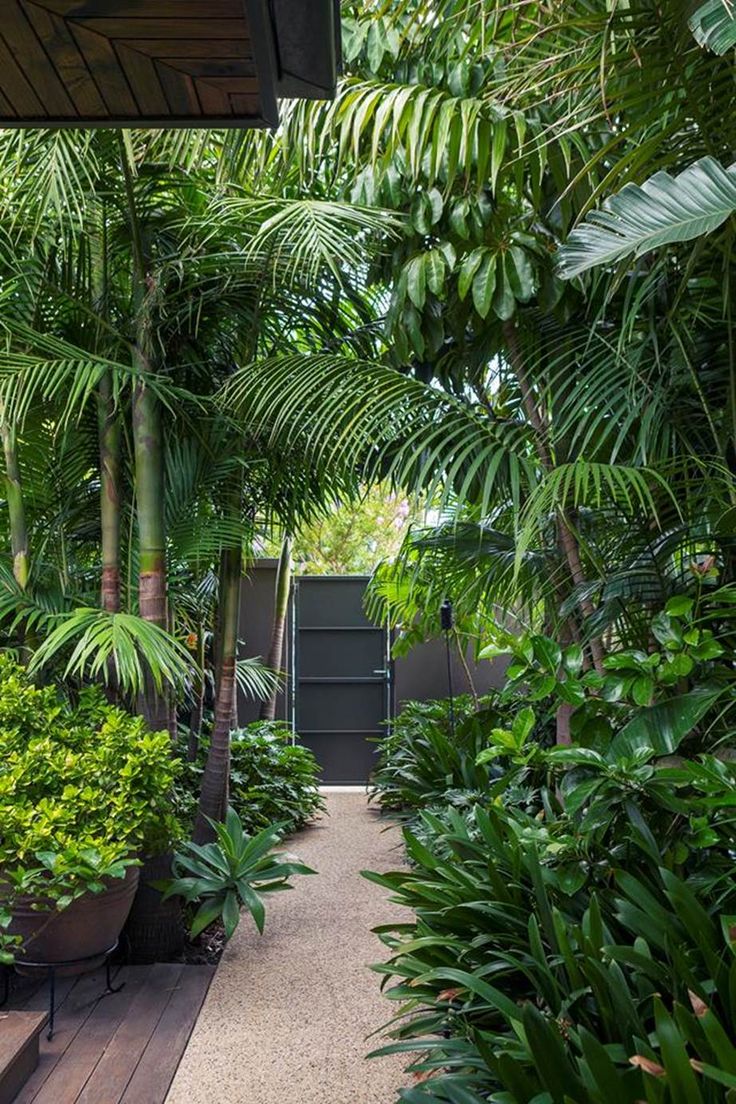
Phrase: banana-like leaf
(663, 210)
(714, 25)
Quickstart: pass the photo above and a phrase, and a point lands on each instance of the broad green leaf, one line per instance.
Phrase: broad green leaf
(416, 281)
(662, 727)
(714, 25)
(504, 303)
(484, 285)
(468, 269)
(434, 266)
(660, 212)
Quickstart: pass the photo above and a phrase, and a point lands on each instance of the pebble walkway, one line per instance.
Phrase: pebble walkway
(287, 1016)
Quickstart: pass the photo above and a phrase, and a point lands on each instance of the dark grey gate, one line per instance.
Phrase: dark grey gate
(341, 688)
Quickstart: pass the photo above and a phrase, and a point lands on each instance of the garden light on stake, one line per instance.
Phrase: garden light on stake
(447, 621)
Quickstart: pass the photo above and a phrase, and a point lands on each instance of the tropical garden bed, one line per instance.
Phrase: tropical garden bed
(495, 276)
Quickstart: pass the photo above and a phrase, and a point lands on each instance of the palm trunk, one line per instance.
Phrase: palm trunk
(565, 535)
(197, 715)
(16, 508)
(109, 496)
(281, 607)
(213, 798)
(149, 477)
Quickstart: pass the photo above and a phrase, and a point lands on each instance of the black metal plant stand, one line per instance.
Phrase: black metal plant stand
(51, 970)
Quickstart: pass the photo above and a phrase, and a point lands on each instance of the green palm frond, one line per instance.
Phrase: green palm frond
(122, 643)
(585, 484)
(662, 211)
(306, 237)
(53, 370)
(343, 414)
(714, 25)
(255, 680)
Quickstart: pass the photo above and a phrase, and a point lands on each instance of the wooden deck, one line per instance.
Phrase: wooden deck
(122, 1048)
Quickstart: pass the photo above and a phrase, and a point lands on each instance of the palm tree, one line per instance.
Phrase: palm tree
(575, 422)
(183, 277)
(281, 596)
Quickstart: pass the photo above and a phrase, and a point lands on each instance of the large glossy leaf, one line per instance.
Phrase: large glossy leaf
(663, 210)
(714, 25)
(662, 727)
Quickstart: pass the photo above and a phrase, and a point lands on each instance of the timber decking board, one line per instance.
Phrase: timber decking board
(138, 63)
(19, 1032)
(123, 1047)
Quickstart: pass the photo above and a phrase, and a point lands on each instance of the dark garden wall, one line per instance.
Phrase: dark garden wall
(422, 674)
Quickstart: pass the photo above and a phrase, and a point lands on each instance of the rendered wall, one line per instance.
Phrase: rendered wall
(422, 674)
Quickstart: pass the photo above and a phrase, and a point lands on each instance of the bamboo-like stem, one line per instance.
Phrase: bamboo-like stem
(16, 506)
(149, 477)
(565, 536)
(148, 455)
(213, 798)
(109, 422)
(280, 611)
(195, 722)
(461, 649)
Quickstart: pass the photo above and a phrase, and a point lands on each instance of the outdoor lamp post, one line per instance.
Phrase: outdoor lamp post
(447, 621)
(163, 63)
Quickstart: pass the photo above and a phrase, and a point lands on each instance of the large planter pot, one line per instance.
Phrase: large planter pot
(80, 934)
(154, 931)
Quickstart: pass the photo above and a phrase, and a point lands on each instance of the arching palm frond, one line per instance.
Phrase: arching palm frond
(341, 412)
(104, 643)
(255, 680)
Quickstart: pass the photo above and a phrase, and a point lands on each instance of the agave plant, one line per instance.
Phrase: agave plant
(230, 873)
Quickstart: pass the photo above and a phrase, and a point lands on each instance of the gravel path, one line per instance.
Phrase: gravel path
(287, 1016)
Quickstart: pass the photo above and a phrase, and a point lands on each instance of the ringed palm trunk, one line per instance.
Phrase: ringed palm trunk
(109, 496)
(109, 428)
(197, 716)
(16, 508)
(149, 479)
(213, 798)
(281, 607)
(566, 538)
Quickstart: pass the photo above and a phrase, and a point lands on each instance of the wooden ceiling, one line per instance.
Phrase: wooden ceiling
(160, 62)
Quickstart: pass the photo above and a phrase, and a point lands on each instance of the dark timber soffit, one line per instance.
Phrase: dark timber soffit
(163, 63)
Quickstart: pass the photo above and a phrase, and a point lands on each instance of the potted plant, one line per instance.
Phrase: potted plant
(84, 789)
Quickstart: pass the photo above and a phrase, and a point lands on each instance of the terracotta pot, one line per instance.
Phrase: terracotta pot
(83, 931)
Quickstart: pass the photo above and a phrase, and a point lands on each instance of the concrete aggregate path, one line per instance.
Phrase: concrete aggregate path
(287, 1016)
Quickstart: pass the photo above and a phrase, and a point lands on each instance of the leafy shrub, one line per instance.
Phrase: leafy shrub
(421, 762)
(272, 780)
(232, 873)
(540, 968)
(575, 932)
(83, 789)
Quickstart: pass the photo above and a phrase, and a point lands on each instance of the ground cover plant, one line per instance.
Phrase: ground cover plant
(574, 935)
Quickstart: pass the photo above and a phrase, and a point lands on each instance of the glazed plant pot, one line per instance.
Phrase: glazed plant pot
(79, 935)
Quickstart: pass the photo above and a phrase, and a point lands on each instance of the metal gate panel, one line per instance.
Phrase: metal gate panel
(342, 676)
